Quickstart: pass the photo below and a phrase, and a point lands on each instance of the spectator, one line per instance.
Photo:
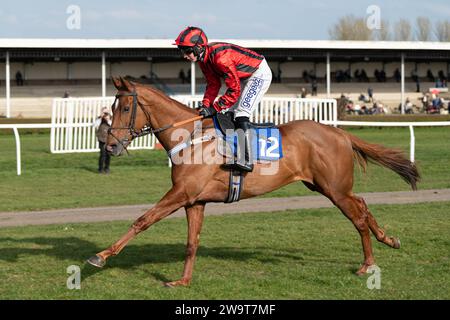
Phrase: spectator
(189, 74)
(305, 76)
(424, 100)
(430, 75)
(383, 76)
(182, 76)
(363, 98)
(397, 75)
(314, 87)
(66, 94)
(19, 78)
(414, 76)
(363, 76)
(377, 75)
(303, 93)
(357, 75)
(279, 72)
(408, 106)
(370, 94)
(102, 125)
(441, 75)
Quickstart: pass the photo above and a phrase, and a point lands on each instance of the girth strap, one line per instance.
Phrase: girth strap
(236, 186)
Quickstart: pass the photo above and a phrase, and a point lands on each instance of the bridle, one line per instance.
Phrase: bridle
(147, 129)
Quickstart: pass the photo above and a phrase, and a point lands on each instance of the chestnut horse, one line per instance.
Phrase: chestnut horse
(320, 156)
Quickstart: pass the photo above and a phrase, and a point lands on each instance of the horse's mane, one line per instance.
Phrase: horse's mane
(154, 91)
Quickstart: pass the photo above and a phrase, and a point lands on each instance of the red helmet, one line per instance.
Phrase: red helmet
(191, 37)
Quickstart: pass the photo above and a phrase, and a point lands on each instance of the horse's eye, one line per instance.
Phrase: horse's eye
(126, 109)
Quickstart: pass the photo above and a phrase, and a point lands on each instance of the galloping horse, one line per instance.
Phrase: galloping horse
(320, 156)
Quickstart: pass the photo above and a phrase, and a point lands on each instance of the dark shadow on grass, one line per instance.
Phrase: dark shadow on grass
(90, 169)
(76, 251)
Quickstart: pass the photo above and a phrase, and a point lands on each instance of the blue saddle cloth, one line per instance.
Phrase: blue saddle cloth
(266, 142)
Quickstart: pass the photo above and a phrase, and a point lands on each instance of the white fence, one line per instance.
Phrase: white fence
(411, 125)
(282, 110)
(82, 112)
(72, 127)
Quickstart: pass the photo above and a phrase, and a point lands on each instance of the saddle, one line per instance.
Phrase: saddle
(224, 121)
(266, 137)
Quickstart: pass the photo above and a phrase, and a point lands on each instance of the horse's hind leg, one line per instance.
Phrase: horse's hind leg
(376, 230)
(350, 206)
(194, 216)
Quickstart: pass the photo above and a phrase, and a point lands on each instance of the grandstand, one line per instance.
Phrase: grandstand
(50, 68)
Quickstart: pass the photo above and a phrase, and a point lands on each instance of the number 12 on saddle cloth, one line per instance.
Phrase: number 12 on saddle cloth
(266, 143)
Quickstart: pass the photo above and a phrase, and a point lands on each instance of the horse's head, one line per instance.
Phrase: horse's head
(130, 120)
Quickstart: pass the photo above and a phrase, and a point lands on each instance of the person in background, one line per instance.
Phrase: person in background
(102, 125)
(314, 87)
(19, 78)
(303, 93)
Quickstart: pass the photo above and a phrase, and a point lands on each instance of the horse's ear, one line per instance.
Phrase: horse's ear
(117, 82)
(127, 84)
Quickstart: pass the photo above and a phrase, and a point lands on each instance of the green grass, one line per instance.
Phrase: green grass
(70, 180)
(302, 254)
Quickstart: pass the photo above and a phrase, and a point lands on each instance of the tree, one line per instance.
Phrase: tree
(442, 31)
(384, 34)
(403, 30)
(423, 29)
(350, 28)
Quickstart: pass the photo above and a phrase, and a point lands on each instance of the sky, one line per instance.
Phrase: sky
(224, 19)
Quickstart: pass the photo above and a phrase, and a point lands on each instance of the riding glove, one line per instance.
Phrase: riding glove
(207, 112)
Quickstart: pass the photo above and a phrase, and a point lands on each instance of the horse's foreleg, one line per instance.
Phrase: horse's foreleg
(195, 220)
(172, 201)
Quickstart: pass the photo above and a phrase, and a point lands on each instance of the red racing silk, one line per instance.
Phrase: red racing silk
(229, 62)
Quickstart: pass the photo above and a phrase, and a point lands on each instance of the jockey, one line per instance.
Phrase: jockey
(245, 73)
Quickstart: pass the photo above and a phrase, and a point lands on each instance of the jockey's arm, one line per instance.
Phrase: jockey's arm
(213, 85)
(233, 84)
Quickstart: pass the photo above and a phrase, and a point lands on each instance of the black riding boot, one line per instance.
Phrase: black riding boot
(244, 157)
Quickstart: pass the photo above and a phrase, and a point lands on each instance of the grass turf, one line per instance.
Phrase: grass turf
(50, 181)
(301, 254)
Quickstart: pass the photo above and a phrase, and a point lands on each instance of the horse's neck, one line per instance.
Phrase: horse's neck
(165, 112)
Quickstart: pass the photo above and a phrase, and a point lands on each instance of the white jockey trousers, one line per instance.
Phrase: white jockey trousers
(253, 90)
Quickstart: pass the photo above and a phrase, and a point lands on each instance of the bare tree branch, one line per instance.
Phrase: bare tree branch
(442, 31)
(423, 29)
(350, 28)
(403, 30)
(384, 34)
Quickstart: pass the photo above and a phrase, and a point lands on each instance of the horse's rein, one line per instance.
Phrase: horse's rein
(146, 130)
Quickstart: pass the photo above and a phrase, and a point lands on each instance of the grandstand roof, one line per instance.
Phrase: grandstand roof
(273, 44)
(162, 49)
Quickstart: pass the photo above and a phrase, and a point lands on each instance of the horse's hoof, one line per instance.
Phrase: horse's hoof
(396, 244)
(97, 261)
(363, 270)
(173, 284)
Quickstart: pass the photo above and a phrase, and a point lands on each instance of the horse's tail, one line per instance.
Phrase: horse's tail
(393, 159)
